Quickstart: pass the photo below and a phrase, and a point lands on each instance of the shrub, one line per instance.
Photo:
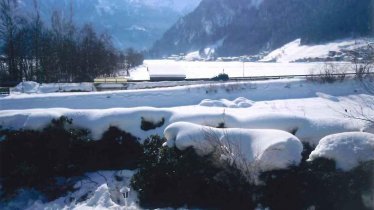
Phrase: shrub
(168, 177)
(221, 77)
(317, 184)
(329, 73)
(35, 158)
(148, 125)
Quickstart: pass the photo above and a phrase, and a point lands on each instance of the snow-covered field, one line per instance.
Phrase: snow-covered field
(269, 119)
(209, 69)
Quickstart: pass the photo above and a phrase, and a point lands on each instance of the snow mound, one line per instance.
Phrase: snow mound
(240, 102)
(347, 149)
(27, 87)
(34, 87)
(307, 129)
(260, 150)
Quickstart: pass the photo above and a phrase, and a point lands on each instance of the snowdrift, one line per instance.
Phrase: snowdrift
(307, 129)
(240, 102)
(30, 87)
(347, 149)
(254, 150)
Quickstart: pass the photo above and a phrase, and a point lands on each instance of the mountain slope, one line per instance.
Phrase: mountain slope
(249, 26)
(132, 23)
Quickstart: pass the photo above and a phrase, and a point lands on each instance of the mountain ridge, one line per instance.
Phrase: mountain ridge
(132, 23)
(249, 27)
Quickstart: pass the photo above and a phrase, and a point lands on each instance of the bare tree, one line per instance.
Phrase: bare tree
(10, 22)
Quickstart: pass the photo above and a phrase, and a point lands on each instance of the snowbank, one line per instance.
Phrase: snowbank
(240, 102)
(26, 87)
(307, 129)
(261, 150)
(182, 96)
(34, 87)
(347, 149)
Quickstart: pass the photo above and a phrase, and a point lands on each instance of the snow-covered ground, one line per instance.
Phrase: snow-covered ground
(295, 50)
(269, 118)
(103, 190)
(209, 69)
(34, 87)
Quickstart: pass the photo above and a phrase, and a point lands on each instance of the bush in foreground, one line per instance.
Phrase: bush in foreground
(168, 177)
(34, 159)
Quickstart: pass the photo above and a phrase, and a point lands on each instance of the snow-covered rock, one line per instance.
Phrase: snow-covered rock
(261, 150)
(347, 149)
(240, 102)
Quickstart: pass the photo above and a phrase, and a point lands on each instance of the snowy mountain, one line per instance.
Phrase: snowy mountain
(132, 23)
(250, 26)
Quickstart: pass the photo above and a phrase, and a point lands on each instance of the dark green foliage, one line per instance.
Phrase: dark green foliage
(116, 150)
(147, 125)
(221, 77)
(318, 184)
(35, 158)
(168, 177)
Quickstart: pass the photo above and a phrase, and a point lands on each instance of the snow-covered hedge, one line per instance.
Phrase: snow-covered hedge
(347, 149)
(252, 151)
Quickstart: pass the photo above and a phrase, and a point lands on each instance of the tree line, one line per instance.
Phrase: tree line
(57, 52)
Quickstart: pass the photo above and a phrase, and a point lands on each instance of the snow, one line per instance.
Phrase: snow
(260, 150)
(30, 87)
(210, 69)
(347, 149)
(310, 111)
(102, 188)
(240, 102)
(294, 50)
(183, 96)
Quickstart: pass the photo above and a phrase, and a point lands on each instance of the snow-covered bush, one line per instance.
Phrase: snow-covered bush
(168, 177)
(347, 149)
(35, 159)
(250, 150)
(329, 73)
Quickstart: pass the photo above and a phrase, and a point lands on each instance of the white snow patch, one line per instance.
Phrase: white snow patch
(294, 50)
(347, 149)
(261, 150)
(240, 102)
(30, 87)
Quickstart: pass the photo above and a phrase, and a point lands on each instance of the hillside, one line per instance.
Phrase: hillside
(248, 27)
(132, 23)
